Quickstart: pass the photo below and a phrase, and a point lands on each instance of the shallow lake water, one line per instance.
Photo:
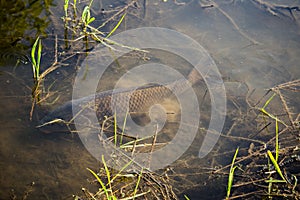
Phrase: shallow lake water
(254, 48)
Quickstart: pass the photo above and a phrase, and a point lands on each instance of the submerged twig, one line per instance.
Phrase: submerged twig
(274, 9)
(213, 4)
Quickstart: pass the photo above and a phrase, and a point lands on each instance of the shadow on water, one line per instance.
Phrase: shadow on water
(255, 47)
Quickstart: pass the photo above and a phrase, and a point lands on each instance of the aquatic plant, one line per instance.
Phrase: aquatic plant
(186, 197)
(81, 27)
(86, 17)
(141, 183)
(266, 113)
(127, 185)
(36, 54)
(37, 89)
(231, 174)
(116, 27)
(275, 178)
(276, 165)
(66, 5)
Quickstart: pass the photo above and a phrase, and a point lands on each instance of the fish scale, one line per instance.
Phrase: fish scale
(136, 99)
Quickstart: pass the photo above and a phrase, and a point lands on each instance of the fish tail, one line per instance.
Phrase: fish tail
(194, 77)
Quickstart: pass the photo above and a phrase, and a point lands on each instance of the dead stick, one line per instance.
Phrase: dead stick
(235, 25)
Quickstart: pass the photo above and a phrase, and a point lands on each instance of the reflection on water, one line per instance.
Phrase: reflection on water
(57, 163)
(20, 20)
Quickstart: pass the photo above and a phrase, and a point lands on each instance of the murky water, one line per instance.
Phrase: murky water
(252, 48)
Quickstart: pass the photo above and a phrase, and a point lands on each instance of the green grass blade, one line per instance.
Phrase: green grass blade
(231, 174)
(186, 197)
(277, 141)
(91, 20)
(263, 110)
(275, 181)
(296, 181)
(123, 128)
(270, 186)
(271, 116)
(275, 165)
(123, 168)
(66, 5)
(115, 129)
(101, 183)
(39, 54)
(269, 100)
(33, 60)
(107, 174)
(75, 8)
(117, 26)
(84, 14)
(137, 184)
(90, 5)
(230, 181)
(36, 61)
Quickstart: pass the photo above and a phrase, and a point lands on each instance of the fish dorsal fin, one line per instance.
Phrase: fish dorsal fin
(149, 85)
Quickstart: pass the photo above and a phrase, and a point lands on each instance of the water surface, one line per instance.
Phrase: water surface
(253, 49)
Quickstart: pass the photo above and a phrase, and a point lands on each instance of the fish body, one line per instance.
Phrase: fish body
(131, 100)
